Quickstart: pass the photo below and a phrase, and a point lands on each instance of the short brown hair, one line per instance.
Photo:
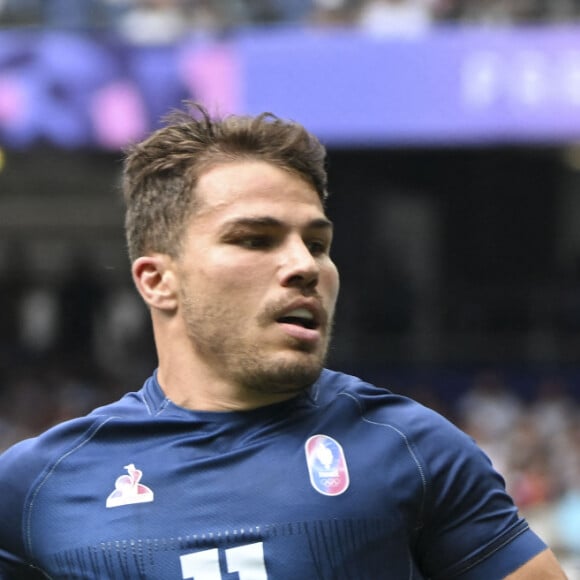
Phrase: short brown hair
(161, 172)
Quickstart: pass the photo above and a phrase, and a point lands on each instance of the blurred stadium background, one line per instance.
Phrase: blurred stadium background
(453, 129)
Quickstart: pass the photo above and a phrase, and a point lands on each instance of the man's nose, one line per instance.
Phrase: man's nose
(298, 266)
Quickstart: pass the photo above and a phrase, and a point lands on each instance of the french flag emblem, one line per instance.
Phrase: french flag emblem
(326, 465)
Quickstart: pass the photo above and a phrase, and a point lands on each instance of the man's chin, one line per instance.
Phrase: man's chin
(292, 374)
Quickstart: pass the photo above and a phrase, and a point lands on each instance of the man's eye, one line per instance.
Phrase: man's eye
(317, 247)
(256, 242)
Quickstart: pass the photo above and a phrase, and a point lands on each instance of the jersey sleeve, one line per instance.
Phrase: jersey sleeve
(22, 468)
(17, 472)
(464, 525)
(471, 528)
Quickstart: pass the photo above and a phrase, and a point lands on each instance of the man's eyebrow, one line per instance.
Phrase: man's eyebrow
(267, 221)
(321, 223)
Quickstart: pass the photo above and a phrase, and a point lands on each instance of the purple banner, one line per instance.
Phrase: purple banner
(453, 85)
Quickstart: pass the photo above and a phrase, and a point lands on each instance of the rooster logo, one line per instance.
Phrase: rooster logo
(128, 490)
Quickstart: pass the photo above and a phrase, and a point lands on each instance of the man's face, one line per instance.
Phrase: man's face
(257, 285)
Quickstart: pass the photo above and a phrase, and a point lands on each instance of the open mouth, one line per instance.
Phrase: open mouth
(300, 317)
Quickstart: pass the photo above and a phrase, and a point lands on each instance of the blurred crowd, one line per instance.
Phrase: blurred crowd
(157, 21)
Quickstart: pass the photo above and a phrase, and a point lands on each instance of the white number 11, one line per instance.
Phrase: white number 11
(247, 561)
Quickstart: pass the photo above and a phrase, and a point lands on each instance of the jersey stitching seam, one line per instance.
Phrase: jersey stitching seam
(147, 405)
(29, 507)
(407, 444)
(164, 404)
(411, 453)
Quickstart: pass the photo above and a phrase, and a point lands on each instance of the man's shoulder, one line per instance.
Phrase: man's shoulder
(368, 396)
(28, 458)
(332, 383)
(381, 406)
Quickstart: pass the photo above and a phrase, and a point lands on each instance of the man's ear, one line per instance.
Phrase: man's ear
(155, 280)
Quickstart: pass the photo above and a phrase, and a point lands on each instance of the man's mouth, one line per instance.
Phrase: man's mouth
(300, 317)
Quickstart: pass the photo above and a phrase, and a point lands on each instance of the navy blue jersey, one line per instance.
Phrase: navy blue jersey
(347, 481)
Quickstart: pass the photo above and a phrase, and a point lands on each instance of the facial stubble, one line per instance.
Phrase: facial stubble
(217, 335)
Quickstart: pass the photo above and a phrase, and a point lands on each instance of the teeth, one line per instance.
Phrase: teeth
(300, 313)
